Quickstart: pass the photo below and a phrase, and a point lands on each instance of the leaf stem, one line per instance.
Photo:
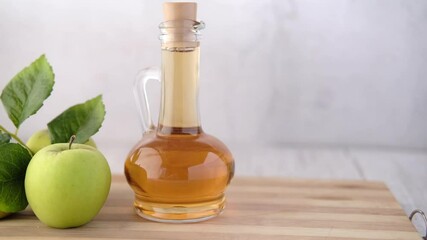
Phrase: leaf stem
(14, 136)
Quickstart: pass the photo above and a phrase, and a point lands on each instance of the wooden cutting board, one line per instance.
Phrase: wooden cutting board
(257, 208)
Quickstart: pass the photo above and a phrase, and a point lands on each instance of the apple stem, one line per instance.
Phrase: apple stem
(72, 138)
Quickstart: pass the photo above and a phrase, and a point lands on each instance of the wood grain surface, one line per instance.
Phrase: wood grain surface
(258, 208)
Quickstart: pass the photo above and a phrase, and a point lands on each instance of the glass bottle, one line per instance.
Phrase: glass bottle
(178, 172)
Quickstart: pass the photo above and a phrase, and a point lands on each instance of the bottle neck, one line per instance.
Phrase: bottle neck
(179, 113)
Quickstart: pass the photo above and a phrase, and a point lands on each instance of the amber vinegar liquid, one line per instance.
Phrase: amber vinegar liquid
(178, 172)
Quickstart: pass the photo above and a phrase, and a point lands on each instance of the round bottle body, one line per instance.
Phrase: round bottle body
(179, 177)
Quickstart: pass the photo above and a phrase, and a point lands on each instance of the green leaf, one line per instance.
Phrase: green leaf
(14, 160)
(82, 120)
(4, 138)
(23, 96)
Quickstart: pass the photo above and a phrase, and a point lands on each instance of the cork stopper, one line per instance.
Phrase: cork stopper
(180, 11)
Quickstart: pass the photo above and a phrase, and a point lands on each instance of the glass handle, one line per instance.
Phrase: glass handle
(141, 97)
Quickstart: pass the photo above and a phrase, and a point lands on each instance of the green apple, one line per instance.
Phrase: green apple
(41, 139)
(67, 184)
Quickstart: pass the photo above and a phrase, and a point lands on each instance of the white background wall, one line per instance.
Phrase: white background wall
(335, 73)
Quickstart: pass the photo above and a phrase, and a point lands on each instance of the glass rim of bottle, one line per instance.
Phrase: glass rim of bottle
(185, 29)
